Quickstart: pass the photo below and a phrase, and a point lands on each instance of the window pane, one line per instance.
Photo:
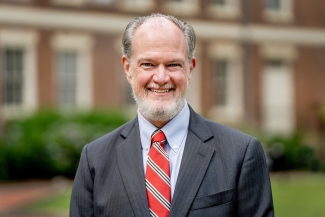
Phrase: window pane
(67, 78)
(218, 2)
(220, 81)
(273, 4)
(12, 82)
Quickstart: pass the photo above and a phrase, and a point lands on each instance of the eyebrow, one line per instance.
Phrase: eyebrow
(169, 61)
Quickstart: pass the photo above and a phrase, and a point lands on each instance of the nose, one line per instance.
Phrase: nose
(161, 75)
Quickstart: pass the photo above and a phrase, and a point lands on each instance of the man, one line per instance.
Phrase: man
(191, 166)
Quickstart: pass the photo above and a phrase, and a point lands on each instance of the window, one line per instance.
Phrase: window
(278, 10)
(221, 81)
(273, 5)
(218, 2)
(73, 70)
(277, 97)
(226, 82)
(12, 82)
(18, 74)
(223, 8)
(67, 78)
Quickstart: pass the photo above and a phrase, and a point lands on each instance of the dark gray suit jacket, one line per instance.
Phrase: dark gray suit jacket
(223, 173)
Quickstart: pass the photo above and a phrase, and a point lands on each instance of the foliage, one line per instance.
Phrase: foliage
(291, 153)
(49, 143)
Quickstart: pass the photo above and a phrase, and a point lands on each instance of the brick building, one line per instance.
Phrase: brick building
(260, 62)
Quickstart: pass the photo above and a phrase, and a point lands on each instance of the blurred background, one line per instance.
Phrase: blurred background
(261, 69)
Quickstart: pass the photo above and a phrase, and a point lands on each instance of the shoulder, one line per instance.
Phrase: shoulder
(220, 136)
(200, 125)
(231, 146)
(109, 141)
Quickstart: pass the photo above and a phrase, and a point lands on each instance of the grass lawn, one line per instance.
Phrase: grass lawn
(295, 194)
(57, 204)
(298, 194)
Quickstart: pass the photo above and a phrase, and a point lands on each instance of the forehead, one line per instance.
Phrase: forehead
(159, 35)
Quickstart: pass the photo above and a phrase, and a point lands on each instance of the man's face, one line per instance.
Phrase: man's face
(159, 70)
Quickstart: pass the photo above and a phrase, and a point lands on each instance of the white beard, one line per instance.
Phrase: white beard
(158, 111)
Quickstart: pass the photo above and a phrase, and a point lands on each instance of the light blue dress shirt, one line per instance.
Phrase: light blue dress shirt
(175, 132)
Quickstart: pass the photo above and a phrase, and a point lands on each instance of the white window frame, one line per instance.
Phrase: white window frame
(230, 10)
(82, 44)
(232, 111)
(283, 15)
(278, 118)
(183, 8)
(27, 41)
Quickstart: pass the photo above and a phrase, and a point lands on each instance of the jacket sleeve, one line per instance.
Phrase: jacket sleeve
(81, 203)
(254, 195)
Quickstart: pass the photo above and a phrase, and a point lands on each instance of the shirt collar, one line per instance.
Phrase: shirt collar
(175, 130)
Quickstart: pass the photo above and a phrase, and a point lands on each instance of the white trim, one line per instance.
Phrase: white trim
(225, 50)
(284, 52)
(49, 19)
(20, 1)
(82, 44)
(27, 40)
(111, 23)
(72, 41)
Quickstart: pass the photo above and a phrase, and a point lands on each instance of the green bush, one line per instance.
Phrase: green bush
(49, 143)
(290, 153)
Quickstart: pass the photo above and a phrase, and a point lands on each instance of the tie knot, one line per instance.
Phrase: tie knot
(158, 136)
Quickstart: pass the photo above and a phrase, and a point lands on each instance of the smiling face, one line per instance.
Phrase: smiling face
(159, 71)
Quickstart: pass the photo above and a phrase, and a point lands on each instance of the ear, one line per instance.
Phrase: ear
(126, 66)
(191, 69)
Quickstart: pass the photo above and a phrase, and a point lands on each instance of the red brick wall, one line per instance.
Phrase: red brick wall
(45, 69)
(107, 72)
(310, 86)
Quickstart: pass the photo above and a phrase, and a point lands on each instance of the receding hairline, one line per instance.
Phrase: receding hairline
(158, 23)
(157, 19)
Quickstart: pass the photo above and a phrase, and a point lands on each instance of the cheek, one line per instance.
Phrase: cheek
(142, 78)
(182, 81)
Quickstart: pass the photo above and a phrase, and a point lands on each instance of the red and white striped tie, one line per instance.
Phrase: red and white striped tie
(158, 176)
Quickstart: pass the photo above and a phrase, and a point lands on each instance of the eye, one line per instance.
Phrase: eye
(146, 64)
(174, 65)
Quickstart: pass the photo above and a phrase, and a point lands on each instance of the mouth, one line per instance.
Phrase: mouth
(159, 90)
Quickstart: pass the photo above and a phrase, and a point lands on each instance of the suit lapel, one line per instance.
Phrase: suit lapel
(129, 155)
(195, 161)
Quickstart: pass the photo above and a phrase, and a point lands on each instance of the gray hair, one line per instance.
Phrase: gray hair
(134, 24)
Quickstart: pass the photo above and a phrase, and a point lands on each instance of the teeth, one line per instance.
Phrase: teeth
(160, 91)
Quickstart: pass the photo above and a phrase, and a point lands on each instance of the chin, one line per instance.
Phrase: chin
(161, 111)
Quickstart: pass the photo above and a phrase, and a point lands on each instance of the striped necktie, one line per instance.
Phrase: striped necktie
(158, 176)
